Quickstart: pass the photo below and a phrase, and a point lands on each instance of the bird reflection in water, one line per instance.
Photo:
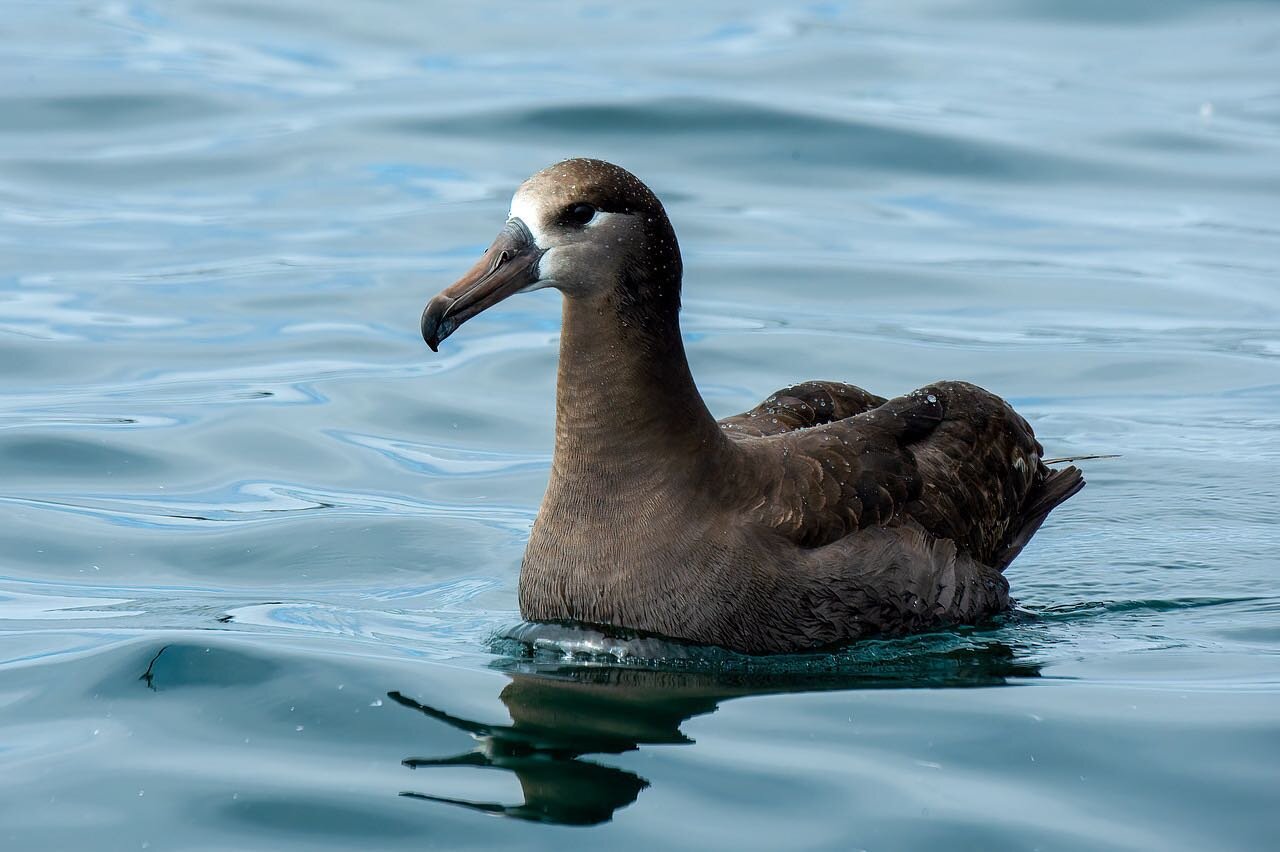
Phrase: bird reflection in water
(562, 711)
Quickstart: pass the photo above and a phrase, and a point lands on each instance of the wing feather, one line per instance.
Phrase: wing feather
(801, 407)
(951, 457)
(826, 481)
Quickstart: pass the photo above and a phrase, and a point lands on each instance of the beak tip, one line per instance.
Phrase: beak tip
(433, 328)
(434, 331)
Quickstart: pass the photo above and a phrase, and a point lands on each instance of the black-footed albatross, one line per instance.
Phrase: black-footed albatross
(822, 515)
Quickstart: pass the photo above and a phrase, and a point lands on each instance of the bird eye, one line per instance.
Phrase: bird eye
(579, 214)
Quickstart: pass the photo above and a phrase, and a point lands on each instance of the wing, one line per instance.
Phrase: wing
(801, 407)
(952, 457)
(985, 486)
(817, 485)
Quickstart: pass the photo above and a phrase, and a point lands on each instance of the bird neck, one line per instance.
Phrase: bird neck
(628, 415)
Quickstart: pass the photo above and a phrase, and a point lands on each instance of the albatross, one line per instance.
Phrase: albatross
(823, 515)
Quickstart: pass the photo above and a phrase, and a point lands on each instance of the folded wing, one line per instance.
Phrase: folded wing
(952, 458)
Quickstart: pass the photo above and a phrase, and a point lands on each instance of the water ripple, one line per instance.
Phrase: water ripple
(255, 539)
(257, 502)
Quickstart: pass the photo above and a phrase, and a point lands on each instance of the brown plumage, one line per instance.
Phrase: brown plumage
(823, 515)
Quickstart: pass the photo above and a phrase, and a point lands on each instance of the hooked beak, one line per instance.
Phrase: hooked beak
(507, 267)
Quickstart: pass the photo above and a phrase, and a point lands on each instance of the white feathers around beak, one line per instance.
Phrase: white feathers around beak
(538, 215)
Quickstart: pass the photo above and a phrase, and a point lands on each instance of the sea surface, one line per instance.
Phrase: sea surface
(256, 540)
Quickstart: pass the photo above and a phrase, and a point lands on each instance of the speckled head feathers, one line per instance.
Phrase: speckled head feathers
(606, 187)
(602, 232)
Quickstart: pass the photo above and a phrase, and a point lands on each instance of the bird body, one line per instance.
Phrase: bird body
(823, 515)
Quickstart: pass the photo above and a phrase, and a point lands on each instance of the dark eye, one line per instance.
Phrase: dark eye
(579, 214)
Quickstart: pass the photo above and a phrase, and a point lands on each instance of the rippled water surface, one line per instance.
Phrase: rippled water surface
(255, 539)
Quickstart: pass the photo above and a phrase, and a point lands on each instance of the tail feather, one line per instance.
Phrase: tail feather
(1065, 459)
(1058, 486)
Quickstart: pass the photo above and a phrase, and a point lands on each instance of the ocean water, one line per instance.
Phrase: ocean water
(256, 540)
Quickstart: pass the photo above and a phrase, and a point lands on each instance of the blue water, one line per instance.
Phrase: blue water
(255, 538)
